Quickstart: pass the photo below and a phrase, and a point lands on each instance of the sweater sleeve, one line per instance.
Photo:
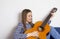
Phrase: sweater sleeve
(18, 34)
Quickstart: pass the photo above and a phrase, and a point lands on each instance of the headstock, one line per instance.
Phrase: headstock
(53, 10)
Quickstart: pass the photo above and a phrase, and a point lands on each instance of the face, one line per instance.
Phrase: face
(29, 17)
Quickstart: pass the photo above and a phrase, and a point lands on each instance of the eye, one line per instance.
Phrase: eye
(29, 15)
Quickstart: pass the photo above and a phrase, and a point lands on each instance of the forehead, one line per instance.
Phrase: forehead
(29, 13)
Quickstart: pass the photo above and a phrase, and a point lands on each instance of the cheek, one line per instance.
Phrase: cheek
(29, 18)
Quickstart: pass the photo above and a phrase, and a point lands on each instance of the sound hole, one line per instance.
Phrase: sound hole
(41, 28)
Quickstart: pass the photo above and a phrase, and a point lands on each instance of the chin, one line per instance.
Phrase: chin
(30, 21)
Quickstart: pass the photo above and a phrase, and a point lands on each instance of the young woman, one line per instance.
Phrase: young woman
(27, 24)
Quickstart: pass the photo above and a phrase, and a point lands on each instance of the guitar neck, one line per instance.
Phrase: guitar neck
(46, 20)
(48, 17)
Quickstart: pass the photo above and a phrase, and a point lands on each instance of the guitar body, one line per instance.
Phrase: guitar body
(42, 34)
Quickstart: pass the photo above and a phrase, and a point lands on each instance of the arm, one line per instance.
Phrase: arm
(19, 32)
(54, 33)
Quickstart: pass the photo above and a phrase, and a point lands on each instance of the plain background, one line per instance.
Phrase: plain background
(10, 10)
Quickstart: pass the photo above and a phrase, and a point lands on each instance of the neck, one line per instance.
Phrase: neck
(26, 22)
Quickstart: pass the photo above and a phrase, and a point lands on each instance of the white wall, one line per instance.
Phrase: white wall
(9, 10)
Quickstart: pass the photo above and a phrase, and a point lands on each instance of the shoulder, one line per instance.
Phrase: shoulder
(20, 25)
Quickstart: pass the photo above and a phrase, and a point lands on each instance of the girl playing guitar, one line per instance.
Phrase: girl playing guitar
(27, 24)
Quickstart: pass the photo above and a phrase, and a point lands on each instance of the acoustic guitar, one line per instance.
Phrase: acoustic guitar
(42, 27)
